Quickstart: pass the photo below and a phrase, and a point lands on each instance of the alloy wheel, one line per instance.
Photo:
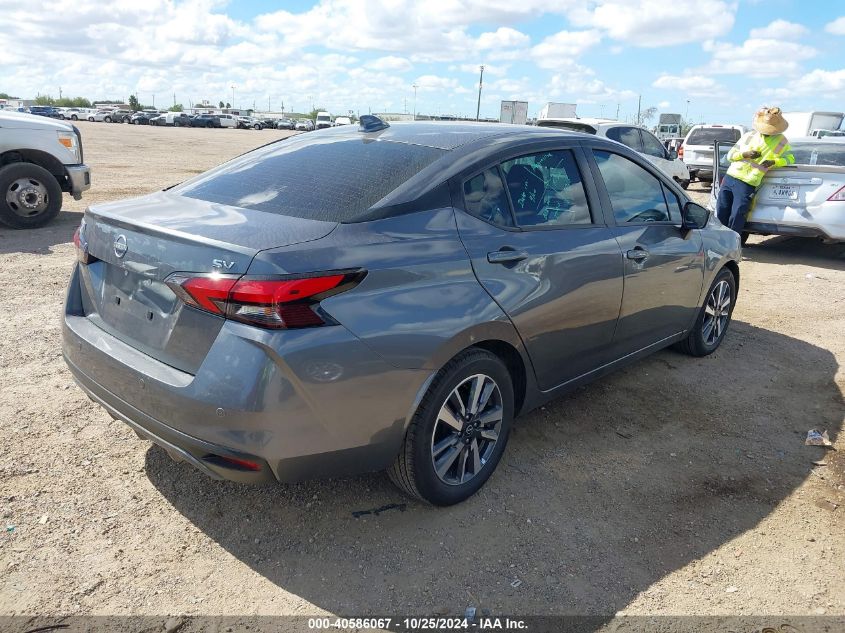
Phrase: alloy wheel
(717, 311)
(466, 430)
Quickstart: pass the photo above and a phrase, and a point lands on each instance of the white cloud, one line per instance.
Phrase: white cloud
(780, 30)
(837, 27)
(758, 57)
(558, 50)
(692, 85)
(663, 105)
(830, 84)
(391, 62)
(503, 37)
(654, 23)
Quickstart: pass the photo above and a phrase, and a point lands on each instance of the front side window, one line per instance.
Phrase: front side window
(652, 146)
(635, 194)
(628, 136)
(485, 198)
(546, 189)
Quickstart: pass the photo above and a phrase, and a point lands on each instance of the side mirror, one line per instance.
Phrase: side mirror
(673, 154)
(695, 216)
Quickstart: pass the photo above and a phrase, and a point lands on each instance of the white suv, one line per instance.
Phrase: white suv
(638, 139)
(697, 149)
(228, 120)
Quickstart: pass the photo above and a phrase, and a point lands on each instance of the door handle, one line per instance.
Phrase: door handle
(506, 256)
(637, 254)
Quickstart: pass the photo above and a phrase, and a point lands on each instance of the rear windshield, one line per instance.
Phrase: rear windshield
(830, 154)
(709, 135)
(329, 179)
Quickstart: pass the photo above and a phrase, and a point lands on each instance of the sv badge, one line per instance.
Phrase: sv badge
(222, 263)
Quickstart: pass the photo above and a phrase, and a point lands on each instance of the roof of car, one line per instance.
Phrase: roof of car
(450, 135)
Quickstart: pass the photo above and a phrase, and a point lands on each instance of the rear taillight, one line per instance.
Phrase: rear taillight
(681, 151)
(839, 196)
(277, 303)
(81, 244)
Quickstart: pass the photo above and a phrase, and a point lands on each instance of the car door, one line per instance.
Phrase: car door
(539, 243)
(664, 263)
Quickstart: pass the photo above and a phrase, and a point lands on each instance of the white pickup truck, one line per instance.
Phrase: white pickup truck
(39, 159)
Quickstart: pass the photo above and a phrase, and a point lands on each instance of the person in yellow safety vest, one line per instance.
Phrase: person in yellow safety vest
(751, 158)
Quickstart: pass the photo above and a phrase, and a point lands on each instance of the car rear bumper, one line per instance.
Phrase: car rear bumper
(825, 221)
(301, 404)
(79, 179)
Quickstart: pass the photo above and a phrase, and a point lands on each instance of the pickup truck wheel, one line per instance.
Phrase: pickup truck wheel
(31, 196)
(73, 117)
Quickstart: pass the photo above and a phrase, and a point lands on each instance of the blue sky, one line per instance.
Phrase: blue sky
(725, 57)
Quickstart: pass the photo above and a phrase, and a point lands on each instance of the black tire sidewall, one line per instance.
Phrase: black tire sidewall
(13, 172)
(701, 347)
(427, 482)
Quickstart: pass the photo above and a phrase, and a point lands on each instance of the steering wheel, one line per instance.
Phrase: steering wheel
(649, 215)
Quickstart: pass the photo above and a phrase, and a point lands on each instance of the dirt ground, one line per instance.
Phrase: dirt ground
(675, 486)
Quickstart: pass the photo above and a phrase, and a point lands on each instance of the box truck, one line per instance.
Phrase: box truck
(514, 112)
(557, 111)
(811, 123)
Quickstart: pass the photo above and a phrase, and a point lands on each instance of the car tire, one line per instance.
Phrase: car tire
(91, 119)
(256, 127)
(714, 317)
(478, 445)
(743, 237)
(107, 119)
(684, 184)
(73, 117)
(35, 184)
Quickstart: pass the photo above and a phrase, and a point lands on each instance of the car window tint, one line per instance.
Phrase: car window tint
(628, 136)
(334, 180)
(652, 146)
(546, 189)
(709, 135)
(635, 194)
(485, 198)
(675, 213)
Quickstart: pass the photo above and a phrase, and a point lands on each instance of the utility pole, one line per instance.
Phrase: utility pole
(686, 114)
(480, 82)
(233, 95)
(174, 98)
(154, 99)
(60, 92)
(415, 86)
(617, 111)
(639, 103)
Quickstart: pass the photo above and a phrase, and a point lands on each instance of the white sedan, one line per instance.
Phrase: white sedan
(806, 199)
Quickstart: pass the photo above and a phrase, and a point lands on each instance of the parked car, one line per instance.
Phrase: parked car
(298, 334)
(305, 125)
(100, 116)
(206, 120)
(342, 120)
(39, 159)
(175, 119)
(324, 120)
(119, 115)
(249, 123)
(75, 114)
(285, 124)
(268, 122)
(697, 149)
(228, 120)
(638, 139)
(806, 199)
(47, 111)
(143, 118)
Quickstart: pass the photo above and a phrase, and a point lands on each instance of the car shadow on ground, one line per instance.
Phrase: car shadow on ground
(600, 494)
(781, 249)
(40, 241)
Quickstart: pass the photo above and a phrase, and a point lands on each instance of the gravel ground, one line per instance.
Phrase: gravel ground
(675, 486)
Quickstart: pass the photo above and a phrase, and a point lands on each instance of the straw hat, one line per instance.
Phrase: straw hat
(770, 121)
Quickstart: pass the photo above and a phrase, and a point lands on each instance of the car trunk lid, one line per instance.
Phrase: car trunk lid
(135, 245)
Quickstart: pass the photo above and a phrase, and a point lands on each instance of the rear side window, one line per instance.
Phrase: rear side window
(709, 135)
(635, 194)
(334, 180)
(485, 198)
(652, 146)
(629, 136)
(546, 190)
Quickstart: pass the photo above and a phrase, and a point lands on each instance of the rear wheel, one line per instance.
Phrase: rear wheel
(73, 117)
(31, 197)
(107, 119)
(684, 183)
(714, 318)
(459, 431)
(744, 237)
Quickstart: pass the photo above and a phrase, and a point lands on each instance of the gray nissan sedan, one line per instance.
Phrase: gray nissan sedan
(387, 297)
